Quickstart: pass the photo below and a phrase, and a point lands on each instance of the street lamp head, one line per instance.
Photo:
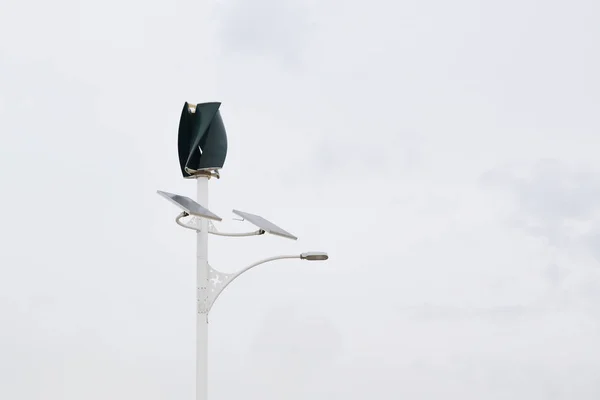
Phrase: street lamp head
(314, 256)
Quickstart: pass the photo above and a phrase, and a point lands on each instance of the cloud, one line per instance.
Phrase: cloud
(295, 347)
(558, 203)
(553, 200)
(277, 30)
(360, 128)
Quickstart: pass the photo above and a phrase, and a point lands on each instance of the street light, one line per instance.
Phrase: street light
(314, 256)
(202, 147)
(219, 281)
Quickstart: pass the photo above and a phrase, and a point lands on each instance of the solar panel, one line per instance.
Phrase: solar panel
(267, 226)
(188, 205)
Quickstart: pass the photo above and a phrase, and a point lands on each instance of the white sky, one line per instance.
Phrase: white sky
(444, 153)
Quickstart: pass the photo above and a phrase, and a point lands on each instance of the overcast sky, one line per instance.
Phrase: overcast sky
(445, 154)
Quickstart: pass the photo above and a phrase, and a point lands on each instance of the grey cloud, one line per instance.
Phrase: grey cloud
(319, 343)
(294, 347)
(556, 192)
(549, 195)
(505, 314)
(559, 203)
(265, 28)
(377, 153)
(555, 274)
(97, 283)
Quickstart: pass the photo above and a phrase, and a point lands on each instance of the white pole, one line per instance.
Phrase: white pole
(202, 296)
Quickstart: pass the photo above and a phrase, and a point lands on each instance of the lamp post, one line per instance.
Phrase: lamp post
(202, 145)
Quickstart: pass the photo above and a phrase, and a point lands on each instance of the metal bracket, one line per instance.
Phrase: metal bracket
(203, 300)
(217, 280)
(195, 223)
(195, 173)
(216, 283)
(206, 296)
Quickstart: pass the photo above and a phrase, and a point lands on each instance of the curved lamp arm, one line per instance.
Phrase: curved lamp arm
(230, 278)
(220, 280)
(254, 233)
(178, 221)
(243, 234)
